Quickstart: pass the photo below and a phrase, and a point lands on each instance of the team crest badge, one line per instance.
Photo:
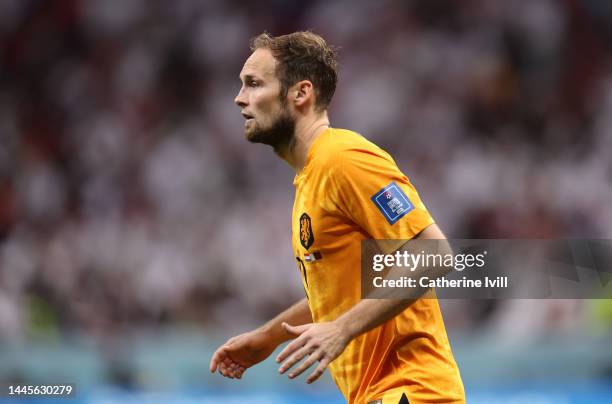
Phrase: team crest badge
(306, 236)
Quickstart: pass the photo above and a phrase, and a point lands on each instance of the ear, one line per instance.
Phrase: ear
(302, 93)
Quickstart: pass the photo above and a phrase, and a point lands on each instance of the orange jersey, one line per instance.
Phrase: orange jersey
(348, 191)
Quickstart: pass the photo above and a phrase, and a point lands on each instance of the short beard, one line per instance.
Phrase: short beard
(279, 135)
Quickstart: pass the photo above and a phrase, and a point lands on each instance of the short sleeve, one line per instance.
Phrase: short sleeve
(377, 196)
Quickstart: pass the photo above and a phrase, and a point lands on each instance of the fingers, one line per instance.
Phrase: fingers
(221, 362)
(231, 369)
(214, 363)
(225, 367)
(240, 371)
(313, 358)
(297, 330)
(314, 355)
(222, 351)
(295, 358)
(220, 354)
(216, 359)
(290, 348)
(318, 371)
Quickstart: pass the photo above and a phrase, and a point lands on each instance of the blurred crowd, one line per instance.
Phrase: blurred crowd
(129, 197)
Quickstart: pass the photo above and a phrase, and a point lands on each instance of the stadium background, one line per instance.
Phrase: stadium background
(138, 229)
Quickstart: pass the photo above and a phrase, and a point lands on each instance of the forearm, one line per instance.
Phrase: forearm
(324, 341)
(297, 314)
(369, 314)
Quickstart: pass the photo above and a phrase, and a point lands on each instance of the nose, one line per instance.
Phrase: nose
(241, 99)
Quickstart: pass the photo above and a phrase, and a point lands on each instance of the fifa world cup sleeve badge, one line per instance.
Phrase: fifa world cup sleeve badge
(392, 202)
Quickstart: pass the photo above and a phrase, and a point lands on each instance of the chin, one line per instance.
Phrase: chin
(251, 135)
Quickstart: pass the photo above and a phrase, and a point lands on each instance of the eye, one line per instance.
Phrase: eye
(253, 83)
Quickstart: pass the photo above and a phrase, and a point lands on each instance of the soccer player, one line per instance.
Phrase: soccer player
(385, 351)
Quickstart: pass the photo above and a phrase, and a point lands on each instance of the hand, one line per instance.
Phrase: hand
(241, 352)
(321, 342)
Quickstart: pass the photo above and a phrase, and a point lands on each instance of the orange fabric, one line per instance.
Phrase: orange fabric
(332, 213)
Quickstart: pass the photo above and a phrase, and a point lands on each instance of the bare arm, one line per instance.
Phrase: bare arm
(245, 350)
(370, 313)
(324, 342)
(299, 313)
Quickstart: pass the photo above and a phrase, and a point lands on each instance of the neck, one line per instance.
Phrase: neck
(306, 132)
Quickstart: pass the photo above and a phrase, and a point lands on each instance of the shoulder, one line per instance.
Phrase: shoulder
(343, 147)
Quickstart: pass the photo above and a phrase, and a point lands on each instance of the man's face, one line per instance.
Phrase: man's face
(268, 119)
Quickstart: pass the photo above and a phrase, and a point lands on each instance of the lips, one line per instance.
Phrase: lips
(249, 118)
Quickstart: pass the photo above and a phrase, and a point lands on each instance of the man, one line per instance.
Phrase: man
(380, 351)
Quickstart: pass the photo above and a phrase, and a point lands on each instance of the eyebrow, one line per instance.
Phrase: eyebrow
(247, 77)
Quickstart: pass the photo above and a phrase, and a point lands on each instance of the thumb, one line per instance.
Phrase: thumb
(230, 346)
(295, 330)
